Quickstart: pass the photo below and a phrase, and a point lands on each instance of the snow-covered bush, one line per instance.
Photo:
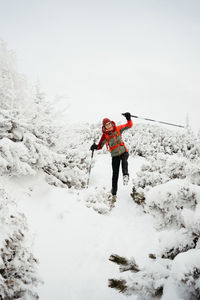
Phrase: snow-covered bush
(166, 202)
(172, 242)
(163, 187)
(18, 266)
(167, 188)
(81, 136)
(98, 199)
(148, 283)
(149, 140)
(183, 271)
(68, 169)
(21, 152)
(164, 168)
(186, 274)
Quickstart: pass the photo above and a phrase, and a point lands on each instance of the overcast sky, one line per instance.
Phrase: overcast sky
(110, 56)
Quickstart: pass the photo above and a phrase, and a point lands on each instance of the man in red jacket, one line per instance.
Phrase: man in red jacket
(112, 138)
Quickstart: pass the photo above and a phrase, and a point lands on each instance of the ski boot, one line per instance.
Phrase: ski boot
(125, 179)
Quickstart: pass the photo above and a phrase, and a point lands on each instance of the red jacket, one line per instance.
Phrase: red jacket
(113, 138)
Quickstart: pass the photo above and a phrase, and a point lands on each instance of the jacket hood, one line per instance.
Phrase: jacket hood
(108, 132)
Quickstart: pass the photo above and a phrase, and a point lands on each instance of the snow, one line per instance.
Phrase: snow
(73, 232)
(73, 243)
(185, 261)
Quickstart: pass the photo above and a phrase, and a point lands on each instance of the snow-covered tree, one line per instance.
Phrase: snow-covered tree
(33, 135)
(13, 86)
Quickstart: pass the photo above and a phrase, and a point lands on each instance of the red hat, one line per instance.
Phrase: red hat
(105, 121)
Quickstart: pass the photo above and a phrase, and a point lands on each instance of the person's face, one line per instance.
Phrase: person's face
(109, 126)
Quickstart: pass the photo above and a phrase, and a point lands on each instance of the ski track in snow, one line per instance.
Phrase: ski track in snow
(73, 243)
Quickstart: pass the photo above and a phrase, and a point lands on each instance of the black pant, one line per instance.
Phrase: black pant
(115, 166)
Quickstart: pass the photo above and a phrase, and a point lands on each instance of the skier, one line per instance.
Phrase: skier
(112, 138)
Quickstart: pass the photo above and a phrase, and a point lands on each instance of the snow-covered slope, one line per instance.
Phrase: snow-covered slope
(73, 243)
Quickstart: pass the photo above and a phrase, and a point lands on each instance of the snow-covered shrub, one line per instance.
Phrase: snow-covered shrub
(191, 220)
(166, 202)
(98, 199)
(149, 140)
(69, 169)
(162, 169)
(72, 167)
(18, 266)
(148, 179)
(175, 206)
(81, 136)
(138, 196)
(172, 242)
(186, 274)
(21, 152)
(148, 283)
(167, 187)
(152, 280)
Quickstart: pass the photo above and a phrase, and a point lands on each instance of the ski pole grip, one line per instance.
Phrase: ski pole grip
(123, 114)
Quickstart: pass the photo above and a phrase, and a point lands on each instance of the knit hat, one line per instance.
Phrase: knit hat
(105, 121)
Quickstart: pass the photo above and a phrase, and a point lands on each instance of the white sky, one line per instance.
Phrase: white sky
(110, 56)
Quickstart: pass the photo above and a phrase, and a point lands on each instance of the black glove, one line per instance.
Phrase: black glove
(93, 147)
(127, 115)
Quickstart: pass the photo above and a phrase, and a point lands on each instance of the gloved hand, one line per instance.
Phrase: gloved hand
(93, 147)
(127, 115)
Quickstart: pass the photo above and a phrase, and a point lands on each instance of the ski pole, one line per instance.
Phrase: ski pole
(90, 166)
(156, 121)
